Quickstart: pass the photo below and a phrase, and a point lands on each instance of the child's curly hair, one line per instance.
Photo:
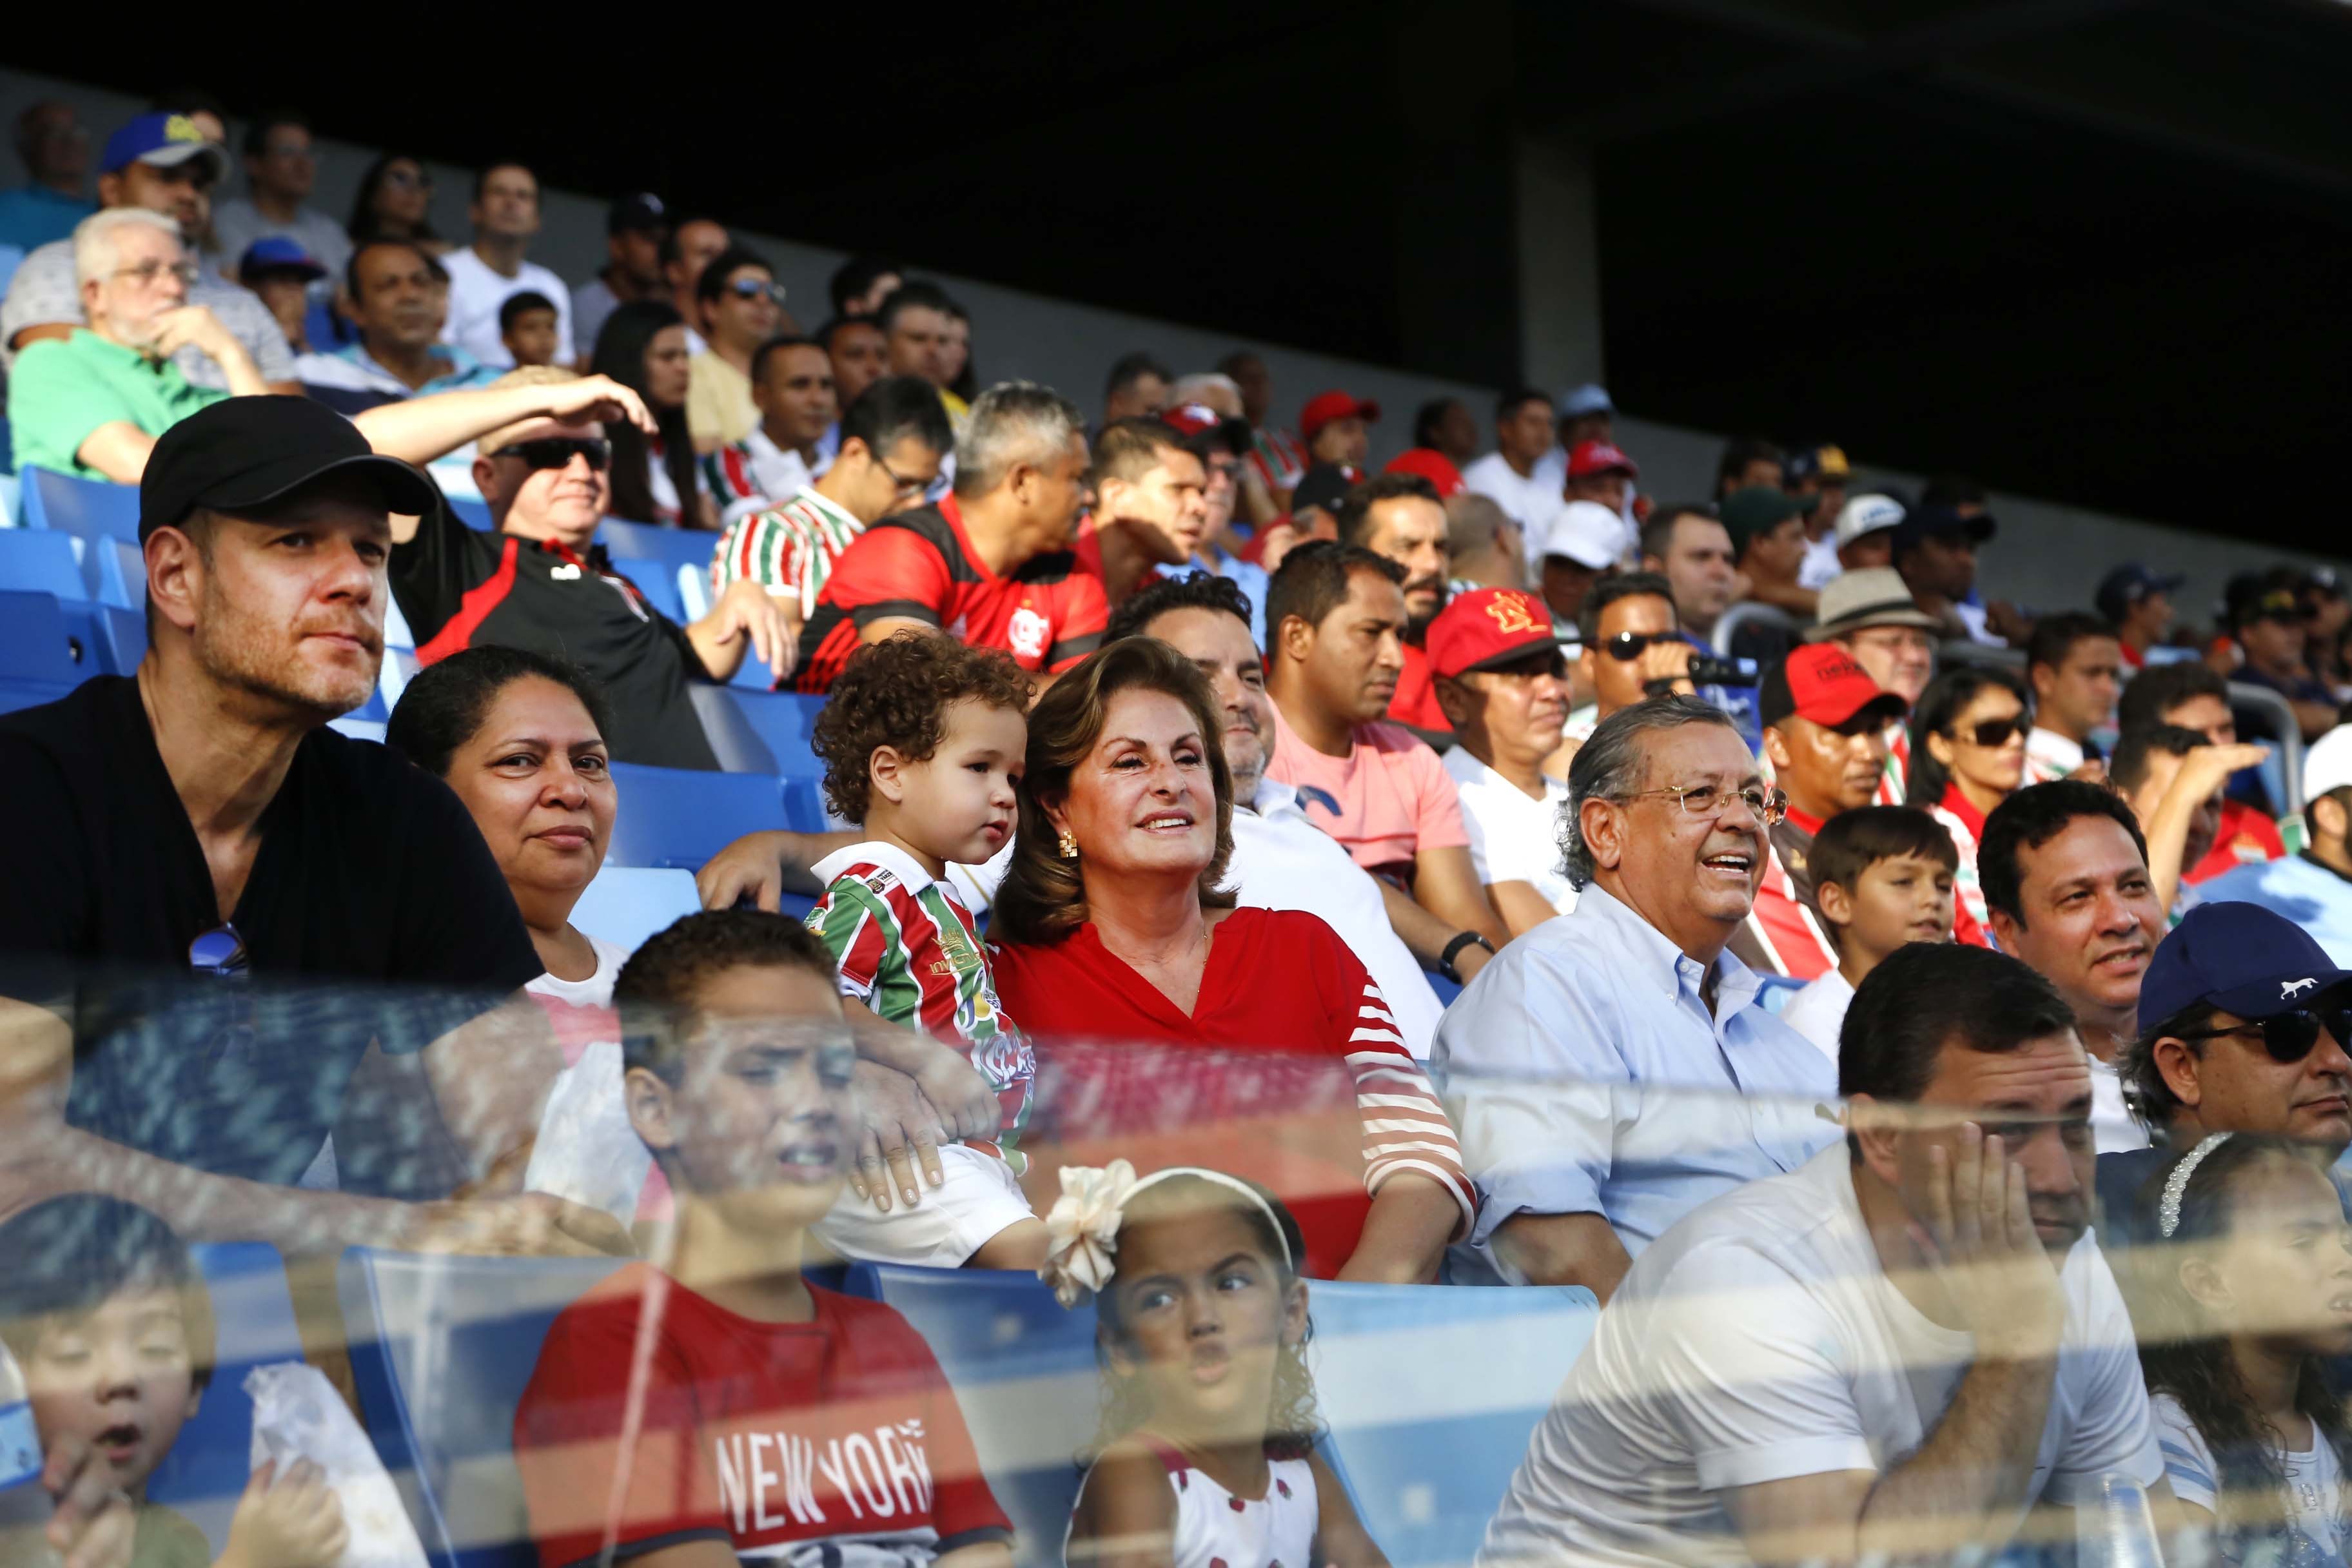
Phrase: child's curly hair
(896, 693)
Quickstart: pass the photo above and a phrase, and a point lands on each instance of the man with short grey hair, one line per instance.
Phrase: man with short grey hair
(990, 562)
(1613, 1069)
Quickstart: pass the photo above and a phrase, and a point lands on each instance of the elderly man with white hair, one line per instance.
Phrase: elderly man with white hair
(92, 402)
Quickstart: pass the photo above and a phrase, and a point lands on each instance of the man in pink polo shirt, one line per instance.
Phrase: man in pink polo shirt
(1335, 621)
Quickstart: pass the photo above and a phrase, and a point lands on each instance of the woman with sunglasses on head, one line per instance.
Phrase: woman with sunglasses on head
(643, 346)
(395, 196)
(1968, 755)
(539, 580)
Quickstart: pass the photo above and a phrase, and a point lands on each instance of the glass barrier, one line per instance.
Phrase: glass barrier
(462, 1287)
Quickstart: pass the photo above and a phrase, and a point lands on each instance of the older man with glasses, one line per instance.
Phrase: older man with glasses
(1613, 1069)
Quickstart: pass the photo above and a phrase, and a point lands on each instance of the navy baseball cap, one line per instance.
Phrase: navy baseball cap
(2239, 957)
(164, 140)
(2130, 583)
(278, 254)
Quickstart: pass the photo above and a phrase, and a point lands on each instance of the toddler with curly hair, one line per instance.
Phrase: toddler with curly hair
(922, 739)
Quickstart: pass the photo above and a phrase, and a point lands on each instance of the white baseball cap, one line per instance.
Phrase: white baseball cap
(2328, 763)
(1867, 514)
(1586, 533)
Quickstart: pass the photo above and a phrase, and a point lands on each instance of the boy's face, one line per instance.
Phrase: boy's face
(756, 1125)
(123, 1379)
(532, 339)
(963, 799)
(1901, 899)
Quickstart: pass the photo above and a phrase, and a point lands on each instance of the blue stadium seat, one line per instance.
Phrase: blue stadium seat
(121, 638)
(91, 508)
(682, 816)
(626, 904)
(1430, 1393)
(738, 746)
(474, 514)
(657, 584)
(41, 561)
(39, 659)
(786, 721)
(117, 572)
(1023, 1369)
(206, 1471)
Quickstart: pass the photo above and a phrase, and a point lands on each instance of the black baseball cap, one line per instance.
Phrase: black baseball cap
(640, 214)
(2129, 584)
(249, 451)
(1325, 485)
(1942, 523)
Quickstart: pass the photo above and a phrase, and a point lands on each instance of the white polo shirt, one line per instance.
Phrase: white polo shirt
(1531, 501)
(1513, 837)
(1759, 1340)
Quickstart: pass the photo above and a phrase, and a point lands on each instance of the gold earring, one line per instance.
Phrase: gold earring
(1069, 846)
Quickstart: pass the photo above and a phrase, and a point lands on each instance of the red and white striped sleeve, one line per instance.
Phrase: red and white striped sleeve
(1405, 1126)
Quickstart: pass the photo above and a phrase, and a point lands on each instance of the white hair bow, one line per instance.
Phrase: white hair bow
(1082, 1230)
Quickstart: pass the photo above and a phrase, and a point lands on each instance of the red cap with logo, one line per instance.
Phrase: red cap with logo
(1823, 682)
(1488, 627)
(1434, 466)
(1325, 407)
(1599, 458)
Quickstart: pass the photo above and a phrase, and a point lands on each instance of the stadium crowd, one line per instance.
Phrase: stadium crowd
(1920, 1023)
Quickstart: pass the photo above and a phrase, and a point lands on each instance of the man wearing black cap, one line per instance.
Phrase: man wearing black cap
(1935, 551)
(634, 231)
(2138, 599)
(201, 816)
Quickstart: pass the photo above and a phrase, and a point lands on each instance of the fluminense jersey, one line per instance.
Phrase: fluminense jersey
(1279, 457)
(904, 944)
(789, 549)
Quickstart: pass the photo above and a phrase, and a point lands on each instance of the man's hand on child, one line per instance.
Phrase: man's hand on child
(895, 1117)
(293, 1520)
(959, 1091)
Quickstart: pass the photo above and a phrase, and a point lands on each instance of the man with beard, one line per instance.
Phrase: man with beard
(2064, 872)
(1402, 518)
(196, 829)
(1152, 508)
(1613, 1070)
(1338, 618)
(1824, 734)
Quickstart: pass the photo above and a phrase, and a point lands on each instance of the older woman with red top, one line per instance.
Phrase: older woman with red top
(1113, 925)
(1968, 755)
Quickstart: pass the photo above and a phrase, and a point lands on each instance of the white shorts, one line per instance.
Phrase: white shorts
(980, 1198)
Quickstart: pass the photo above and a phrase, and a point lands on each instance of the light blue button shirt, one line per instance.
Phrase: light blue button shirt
(1587, 1076)
(2312, 896)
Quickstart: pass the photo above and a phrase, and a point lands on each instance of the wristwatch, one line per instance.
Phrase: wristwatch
(1462, 939)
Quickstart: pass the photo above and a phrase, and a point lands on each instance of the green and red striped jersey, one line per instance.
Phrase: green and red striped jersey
(903, 945)
(789, 548)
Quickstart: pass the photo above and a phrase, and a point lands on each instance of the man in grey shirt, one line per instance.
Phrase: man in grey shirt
(280, 166)
(161, 161)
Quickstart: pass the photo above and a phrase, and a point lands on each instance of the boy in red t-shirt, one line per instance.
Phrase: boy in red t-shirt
(727, 1409)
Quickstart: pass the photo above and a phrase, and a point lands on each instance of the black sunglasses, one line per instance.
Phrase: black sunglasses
(1627, 647)
(1991, 732)
(2288, 1037)
(557, 451)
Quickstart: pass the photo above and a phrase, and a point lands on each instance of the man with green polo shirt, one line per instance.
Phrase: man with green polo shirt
(91, 404)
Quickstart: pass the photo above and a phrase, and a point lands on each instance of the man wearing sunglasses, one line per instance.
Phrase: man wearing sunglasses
(739, 306)
(1631, 652)
(2243, 1023)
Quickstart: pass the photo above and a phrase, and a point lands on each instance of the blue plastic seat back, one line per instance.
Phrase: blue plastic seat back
(657, 584)
(41, 561)
(474, 514)
(253, 1314)
(123, 638)
(91, 508)
(786, 721)
(674, 547)
(116, 570)
(682, 816)
(1022, 1368)
(35, 643)
(1431, 1393)
(626, 904)
(442, 1348)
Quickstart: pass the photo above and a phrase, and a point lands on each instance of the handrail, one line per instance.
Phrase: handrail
(2243, 694)
(1746, 613)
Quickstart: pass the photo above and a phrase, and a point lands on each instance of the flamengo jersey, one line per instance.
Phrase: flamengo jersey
(920, 565)
(790, 549)
(903, 945)
(830, 1444)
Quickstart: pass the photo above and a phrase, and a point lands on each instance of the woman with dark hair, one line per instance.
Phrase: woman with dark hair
(1113, 923)
(520, 736)
(395, 196)
(2239, 1315)
(643, 346)
(1968, 755)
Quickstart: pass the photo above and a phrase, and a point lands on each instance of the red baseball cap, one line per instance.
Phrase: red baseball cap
(1325, 407)
(1198, 423)
(1821, 682)
(1488, 627)
(1599, 458)
(1434, 466)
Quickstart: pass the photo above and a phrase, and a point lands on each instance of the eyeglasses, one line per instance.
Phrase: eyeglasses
(1627, 647)
(557, 451)
(1993, 732)
(752, 288)
(1769, 806)
(147, 274)
(2288, 1037)
(907, 486)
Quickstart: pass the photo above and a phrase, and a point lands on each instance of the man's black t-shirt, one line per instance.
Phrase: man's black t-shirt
(368, 871)
(459, 587)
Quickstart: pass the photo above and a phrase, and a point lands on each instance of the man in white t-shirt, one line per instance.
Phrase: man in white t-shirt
(1523, 432)
(1503, 681)
(1903, 1348)
(1281, 860)
(484, 275)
